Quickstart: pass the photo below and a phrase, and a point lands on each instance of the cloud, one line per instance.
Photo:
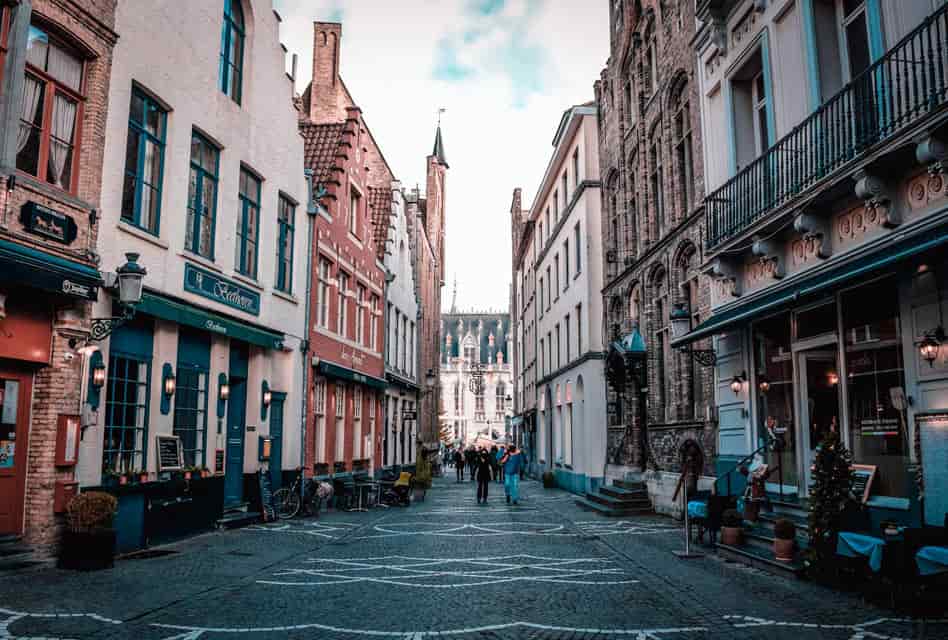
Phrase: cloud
(495, 38)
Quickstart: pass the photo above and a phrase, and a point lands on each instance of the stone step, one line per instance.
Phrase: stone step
(624, 494)
(14, 549)
(235, 520)
(628, 484)
(760, 558)
(612, 512)
(619, 503)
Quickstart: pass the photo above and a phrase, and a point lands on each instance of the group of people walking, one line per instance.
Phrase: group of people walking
(499, 464)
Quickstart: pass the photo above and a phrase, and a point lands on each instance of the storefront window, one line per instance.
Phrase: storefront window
(876, 385)
(773, 365)
(190, 412)
(816, 321)
(126, 414)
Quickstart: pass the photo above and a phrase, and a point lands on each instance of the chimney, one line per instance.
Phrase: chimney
(324, 91)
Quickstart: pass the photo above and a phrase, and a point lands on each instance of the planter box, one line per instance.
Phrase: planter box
(87, 551)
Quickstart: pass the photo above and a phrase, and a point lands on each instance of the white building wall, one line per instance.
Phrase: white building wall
(172, 51)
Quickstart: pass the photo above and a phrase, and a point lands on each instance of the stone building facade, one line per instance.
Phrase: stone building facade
(651, 167)
(55, 64)
(523, 318)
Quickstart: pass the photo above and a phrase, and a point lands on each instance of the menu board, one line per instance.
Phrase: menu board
(863, 475)
(219, 461)
(169, 453)
(933, 437)
(266, 496)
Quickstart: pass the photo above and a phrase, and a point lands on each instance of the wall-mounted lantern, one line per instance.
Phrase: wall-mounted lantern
(930, 345)
(264, 448)
(763, 383)
(223, 394)
(96, 378)
(168, 385)
(737, 383)
(266, 397)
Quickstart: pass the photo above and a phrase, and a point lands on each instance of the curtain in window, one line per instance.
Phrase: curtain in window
(65, 67)
(32, 90)
(64, 120)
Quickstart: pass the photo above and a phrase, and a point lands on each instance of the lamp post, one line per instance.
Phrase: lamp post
(127, 282)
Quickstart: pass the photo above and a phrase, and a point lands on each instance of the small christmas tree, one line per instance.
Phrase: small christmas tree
(829, 494)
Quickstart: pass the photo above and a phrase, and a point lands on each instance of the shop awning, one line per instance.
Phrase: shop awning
(344, 373)
(169, 309)
(811, 284)
(23, 265)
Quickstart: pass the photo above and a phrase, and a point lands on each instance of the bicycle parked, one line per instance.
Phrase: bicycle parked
(287, 502)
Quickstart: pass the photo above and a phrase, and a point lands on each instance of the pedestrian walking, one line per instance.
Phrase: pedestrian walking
(483, 476)
(500, 465)
(494, 463)
(511, 465)
(459, 465)
(472, 462)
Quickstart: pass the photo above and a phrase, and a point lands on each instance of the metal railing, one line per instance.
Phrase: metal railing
(905, 85)
(768, 444)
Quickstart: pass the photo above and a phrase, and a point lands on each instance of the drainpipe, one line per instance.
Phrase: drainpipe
(312, 210)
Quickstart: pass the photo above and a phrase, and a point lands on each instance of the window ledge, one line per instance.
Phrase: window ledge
(285, 296)
(201, 260)
(141, 234)
(247, 280)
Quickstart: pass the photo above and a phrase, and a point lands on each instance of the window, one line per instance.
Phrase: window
(542, 358)
(556, 211)
(566, 263)
(549, 349)
(663, 370)
(548, 226)
(354, 201)
(126, 414)
(632, 209)
(360, 314)
(190, 411)
(500, 400)
(4, 40)
(556, 266)
(319, 402)
(689, 292)
(322, 311)
(856, 35)
(248, 223)
(411, 353)
(340, 449)
(479, 404)
(683, 150)
(577, 245)
(558, 349)
(569, 342)
(343, 290)
(374, 324)
(651, 67)
(579, 330)
(657, 180)
(565, 187)
(576, 168)
(390, 325)
(457, 397)
(232, 50)
(541, 296)
(144, 162)
(286, 218)
(751, 104)
(51, 105)
(549, 281)
(202, 197)
(357, 402)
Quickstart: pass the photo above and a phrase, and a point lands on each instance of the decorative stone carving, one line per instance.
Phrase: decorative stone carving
(875, 193)
(925, 188)
(933, 152)
(719, 32)
(725, 278)
(813, 241)
(769, 259)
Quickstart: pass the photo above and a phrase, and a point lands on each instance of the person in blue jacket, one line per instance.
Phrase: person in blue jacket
(511, 463)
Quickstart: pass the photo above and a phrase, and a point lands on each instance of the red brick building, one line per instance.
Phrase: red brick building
(55, 62)
(352, 188)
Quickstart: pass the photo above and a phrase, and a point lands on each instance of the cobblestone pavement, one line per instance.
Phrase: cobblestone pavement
(445, 567)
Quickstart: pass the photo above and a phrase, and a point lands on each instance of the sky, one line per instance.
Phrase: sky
(503, 70)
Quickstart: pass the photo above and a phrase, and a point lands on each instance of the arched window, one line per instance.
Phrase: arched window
(661, 339)
(635, 307)
(683, 155)
(657, 179)
(469, 350)
(232, 50)
(500, 400)
(650, 62)
(632, 208)
(689, 279)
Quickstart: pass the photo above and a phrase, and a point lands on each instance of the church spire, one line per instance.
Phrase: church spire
(454, 296)
(438, 151)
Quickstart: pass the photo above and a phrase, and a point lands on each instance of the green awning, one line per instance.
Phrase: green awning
(819, 282)
(23, 265)
(176, 311)
(344, 373)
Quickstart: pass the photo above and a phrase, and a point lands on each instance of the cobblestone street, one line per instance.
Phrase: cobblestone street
(544, 569)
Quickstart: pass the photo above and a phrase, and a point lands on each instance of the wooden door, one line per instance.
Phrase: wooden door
(15, 394)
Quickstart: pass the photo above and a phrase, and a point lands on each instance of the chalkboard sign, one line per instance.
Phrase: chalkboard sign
(266, 496)
(219, 461)
(169, 453)
(863, 475)
(933, 438)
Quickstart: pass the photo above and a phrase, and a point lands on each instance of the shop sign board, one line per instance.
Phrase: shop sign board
(45, 222)
(220, 289)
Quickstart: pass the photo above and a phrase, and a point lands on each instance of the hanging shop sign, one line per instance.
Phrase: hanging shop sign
(219, 289)
(50, 224)
(409, 415)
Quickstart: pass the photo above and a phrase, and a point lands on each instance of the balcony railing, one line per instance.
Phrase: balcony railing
(900, 89)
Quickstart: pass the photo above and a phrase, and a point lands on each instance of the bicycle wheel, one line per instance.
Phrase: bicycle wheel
(286, 502)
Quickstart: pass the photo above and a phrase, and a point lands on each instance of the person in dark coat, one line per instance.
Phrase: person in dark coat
(494, 466)
(459, 465)
(472, 461)
(483, 471)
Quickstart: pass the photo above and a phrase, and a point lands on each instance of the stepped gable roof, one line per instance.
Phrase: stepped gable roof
(321, 143)
(380, 211)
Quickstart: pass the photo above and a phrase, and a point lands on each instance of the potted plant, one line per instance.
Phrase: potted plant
(205, 472)
(123, 478)
(88, 542)
(188, 472)
(731, 529)
(785, 533)
(549, 480)
(142, 476)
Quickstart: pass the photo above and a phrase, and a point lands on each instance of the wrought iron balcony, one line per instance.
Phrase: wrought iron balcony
(896, 93)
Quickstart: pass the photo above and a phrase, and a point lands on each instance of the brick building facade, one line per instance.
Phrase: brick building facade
(55, 63)
(651, 167)
(352, 188)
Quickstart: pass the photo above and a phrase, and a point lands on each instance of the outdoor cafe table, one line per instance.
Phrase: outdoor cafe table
(932, 560)
(856, 545)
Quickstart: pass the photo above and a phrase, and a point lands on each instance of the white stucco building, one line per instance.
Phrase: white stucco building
(401, 340)
(203, 178)
(571, 396)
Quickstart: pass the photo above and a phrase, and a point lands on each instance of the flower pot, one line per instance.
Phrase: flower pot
(143, 478)
(187, 475)
(783, 550)
(751, 510)
(731, 535)
(87, 550)
(123, 480)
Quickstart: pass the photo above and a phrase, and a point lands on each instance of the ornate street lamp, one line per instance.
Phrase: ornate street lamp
(680, 321)
(127, 280)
